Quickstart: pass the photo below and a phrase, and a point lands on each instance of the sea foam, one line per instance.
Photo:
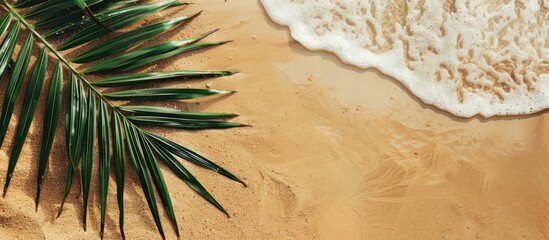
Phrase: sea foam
(468, 57)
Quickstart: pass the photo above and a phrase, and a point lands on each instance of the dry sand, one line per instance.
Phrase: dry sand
(335, 152)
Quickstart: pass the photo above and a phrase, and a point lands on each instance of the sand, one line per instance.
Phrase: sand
(335, 152)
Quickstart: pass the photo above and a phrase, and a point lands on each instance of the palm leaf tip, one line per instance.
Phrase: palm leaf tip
(119, 158)
(182, 123)
(137, 154)
(51, 116)
(104, 163)
(133, 79)
(17, 75)
(87, 154)
(165, 94)
(147, 55)
(30, 103)
(185, 153)
(174, 113)
(129, 39)
(158, 181)
(117, 18)
(75, 119)
(180, 171)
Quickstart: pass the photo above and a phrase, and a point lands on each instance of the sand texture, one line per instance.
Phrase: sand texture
(335, 152)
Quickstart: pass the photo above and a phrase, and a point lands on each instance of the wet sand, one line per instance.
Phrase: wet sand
(335, 152)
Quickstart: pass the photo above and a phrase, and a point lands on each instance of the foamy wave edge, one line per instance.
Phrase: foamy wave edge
(472, 106)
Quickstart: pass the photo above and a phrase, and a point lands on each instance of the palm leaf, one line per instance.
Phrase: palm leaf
(182, 123)
(75, 123)
(127, 40)
(8, 45)
(27, 3)
(164, 94)
(105, 159)
(84, 23)
(119, 157)
(184, 174)
(191, 156)
(168, 112)
(27, 113)
(53, 108)
(18, 73)
(87, 154)
(76, 16)
(84, 7)
(138, 158)
(140, 78)
(143, 56)
(87, 107)
(117, 19)
(158, 181)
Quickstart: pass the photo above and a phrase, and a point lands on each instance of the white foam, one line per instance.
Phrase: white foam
(468, 57)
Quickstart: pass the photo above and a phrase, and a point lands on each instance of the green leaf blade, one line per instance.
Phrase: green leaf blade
(119, 157)
(129, 39)
(141, 78)
(27, 3)
(53, 8)
(142, 170)
(4, 23)
(168, 112)
(17, 76)
(179, 170)
(182, 123)
(150, 54)
(104, 159)
(51, 117)
(165, 94)
(75, 123)
(118, 19)
(158, 181)
(27, 113)
(192, 156)
(8, 45)
(87, 153)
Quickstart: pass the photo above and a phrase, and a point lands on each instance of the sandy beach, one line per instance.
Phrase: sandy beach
(334, 152)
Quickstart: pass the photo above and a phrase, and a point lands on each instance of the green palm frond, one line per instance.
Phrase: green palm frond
(92, 115)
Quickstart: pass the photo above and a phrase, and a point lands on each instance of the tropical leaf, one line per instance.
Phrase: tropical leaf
(51, 8)
(17, 75)
(84, 7)
(27, 3)
(76, 16)
(8, 45)
(51, 117)
(182, 123)
(147, 55)
(27, 113)
(138, 158)
(119, 158)
(87, 109)
(140, 78)
(87, 153)
(158, 181)
(75, 123)
(179, 170)
(104, 158)
(164, 94)
(191, 156)
(127, 40)
(117, 19)
(173, 113)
